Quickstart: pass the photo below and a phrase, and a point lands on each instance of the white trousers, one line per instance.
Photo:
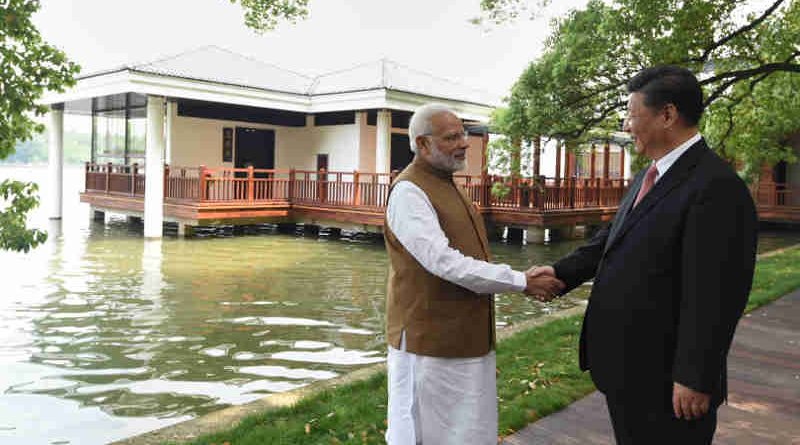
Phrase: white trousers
(440, 401)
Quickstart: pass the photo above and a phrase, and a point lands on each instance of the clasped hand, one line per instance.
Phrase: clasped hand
(542, 283)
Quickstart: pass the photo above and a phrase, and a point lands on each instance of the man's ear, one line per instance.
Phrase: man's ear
(423, 143)
(671, 115)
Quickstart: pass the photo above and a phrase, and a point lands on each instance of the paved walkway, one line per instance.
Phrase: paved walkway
(764, 390)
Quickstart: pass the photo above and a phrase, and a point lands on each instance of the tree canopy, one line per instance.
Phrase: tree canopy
(264, 15)
(28, 67)
(744, 61)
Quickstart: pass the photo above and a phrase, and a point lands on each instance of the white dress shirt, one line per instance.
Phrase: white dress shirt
(413, 220)
(663, 164)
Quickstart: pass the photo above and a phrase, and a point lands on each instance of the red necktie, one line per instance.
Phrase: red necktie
(647, 184)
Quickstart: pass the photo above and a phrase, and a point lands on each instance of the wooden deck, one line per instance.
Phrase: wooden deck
(200, 195)
(764, 394)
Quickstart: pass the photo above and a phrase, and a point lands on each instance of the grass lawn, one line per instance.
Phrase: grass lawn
(537, 375)
(776, 275)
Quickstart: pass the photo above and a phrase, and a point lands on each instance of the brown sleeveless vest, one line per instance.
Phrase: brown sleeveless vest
(440, 318)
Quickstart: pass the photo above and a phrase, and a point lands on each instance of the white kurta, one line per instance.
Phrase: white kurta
(436, 400)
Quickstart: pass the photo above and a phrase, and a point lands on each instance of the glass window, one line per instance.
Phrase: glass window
(109, 136)
(137, 134)
(110, 131)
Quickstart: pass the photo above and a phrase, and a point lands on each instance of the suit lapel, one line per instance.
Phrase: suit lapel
(676, 175)
(624, 208)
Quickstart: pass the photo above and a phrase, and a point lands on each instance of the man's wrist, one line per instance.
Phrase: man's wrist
(520, 281)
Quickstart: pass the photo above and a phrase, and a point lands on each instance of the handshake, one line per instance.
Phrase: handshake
(542, 283)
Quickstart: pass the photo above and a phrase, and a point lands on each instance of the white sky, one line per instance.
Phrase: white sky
(428, 35)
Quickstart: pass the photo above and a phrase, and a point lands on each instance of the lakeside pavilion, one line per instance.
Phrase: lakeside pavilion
(209, 137)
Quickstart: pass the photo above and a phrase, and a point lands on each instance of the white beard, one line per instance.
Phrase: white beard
(444, 162)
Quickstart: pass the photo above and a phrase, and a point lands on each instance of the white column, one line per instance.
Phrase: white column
(154, 168)
(55, 160)
(534, 235)
(171, 108)
(626, 168)
(383, 142)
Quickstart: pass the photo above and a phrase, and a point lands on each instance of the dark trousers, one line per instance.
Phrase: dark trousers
(653, 422)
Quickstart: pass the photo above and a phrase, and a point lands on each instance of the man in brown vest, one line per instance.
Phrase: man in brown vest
(440, 309)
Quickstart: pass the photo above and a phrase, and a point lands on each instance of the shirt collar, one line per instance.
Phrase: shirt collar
(668, 159)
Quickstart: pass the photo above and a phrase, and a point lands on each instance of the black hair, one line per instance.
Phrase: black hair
(670, 84)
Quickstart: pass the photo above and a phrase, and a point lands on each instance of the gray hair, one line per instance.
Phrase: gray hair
(420, 123)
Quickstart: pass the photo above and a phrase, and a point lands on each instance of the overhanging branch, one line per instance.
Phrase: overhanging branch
(704, 57)
(736, 76)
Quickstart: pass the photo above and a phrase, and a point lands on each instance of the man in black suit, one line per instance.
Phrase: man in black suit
(672, 273)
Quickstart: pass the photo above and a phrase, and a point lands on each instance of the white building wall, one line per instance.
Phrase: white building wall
(368, 137)
(474, 156)
(198, 141)
(340, 143)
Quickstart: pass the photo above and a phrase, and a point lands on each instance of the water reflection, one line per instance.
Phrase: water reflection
(104, 335)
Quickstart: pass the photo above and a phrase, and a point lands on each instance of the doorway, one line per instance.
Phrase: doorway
(401, 154)
(322, 162)
(255, 147)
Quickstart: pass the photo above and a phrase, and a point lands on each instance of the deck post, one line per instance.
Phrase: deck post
(600, 188)
(558, 163)
(485, 189)
(154, 161)
(569, 168)
(571, 185)
(86, 176)
(134, 170)
(321, 183)
(56, 159)
(290, 191)
(166, 181)
(203, 193)
(356, 189)
(621, 162)
(606, 161)
(250, 183)
(109, 167)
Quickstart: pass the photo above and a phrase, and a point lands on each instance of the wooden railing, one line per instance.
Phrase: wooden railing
(115, 179)
(776, 194)
(348, 189)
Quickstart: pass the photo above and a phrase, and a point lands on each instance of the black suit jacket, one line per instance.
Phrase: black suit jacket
(671, 279)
